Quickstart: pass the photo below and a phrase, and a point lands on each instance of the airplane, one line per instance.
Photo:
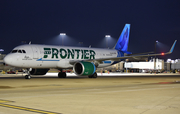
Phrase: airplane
(38, 59)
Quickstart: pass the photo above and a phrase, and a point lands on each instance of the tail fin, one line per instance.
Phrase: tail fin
(122, 43)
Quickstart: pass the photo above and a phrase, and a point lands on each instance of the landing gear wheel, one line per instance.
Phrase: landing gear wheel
(59, 75)
(62, 75)
(95, 75)
(27, 77)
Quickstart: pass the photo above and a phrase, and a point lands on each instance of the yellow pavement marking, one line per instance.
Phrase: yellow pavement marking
(5, 101)
(24, 108)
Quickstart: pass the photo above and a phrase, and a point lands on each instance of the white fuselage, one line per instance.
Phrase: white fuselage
(49, 56)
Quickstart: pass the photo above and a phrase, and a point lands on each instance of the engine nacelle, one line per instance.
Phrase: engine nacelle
(84, 68)
(39, 71)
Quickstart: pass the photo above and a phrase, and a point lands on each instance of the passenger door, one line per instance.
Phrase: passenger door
(35, 52)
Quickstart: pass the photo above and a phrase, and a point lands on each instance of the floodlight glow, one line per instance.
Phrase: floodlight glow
(156, 41)
(107, 36)
(172, 61)
(1, 50)
(168, 60)
(62, 34)
(176, 61)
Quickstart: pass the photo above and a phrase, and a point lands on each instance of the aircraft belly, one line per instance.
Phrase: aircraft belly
(64, 64)
(49, 64)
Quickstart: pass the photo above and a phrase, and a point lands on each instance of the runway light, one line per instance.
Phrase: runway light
(162, 53)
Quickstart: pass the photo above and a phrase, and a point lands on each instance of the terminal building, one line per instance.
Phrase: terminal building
(145, 66)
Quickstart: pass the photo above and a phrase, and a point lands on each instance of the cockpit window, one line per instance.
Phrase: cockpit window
(23, 51)
(14, 51)
(18, 51)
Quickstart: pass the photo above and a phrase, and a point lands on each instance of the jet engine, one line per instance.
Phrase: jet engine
(84, 68)
(39, 71)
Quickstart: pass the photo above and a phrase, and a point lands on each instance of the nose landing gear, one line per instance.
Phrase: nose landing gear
(28, 76)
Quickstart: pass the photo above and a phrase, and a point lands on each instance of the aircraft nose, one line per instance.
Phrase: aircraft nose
(8, 59)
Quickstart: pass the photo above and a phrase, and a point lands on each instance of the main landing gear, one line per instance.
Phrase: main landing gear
(93, 76)
(62, 74)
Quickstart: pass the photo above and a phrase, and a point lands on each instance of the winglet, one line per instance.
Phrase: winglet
(172, 48)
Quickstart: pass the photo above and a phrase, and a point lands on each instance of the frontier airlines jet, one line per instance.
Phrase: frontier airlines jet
(38, 59)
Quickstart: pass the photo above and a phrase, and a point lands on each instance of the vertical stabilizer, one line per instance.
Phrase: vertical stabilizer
(122, 43)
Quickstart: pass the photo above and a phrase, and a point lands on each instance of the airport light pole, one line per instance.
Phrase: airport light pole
(155, 56)
(62, 34)
(107, 37)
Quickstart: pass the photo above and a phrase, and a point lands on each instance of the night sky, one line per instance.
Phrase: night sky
(88, 21)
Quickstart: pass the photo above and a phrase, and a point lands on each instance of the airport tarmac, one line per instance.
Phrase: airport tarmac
(108, 94)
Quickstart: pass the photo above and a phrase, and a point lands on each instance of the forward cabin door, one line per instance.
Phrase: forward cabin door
(35, 52)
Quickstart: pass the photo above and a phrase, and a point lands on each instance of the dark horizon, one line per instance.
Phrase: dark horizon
(42, 21)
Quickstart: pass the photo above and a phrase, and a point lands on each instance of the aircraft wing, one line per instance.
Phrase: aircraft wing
(99, 60)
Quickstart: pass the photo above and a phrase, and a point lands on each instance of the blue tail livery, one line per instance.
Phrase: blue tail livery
(122, 43)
